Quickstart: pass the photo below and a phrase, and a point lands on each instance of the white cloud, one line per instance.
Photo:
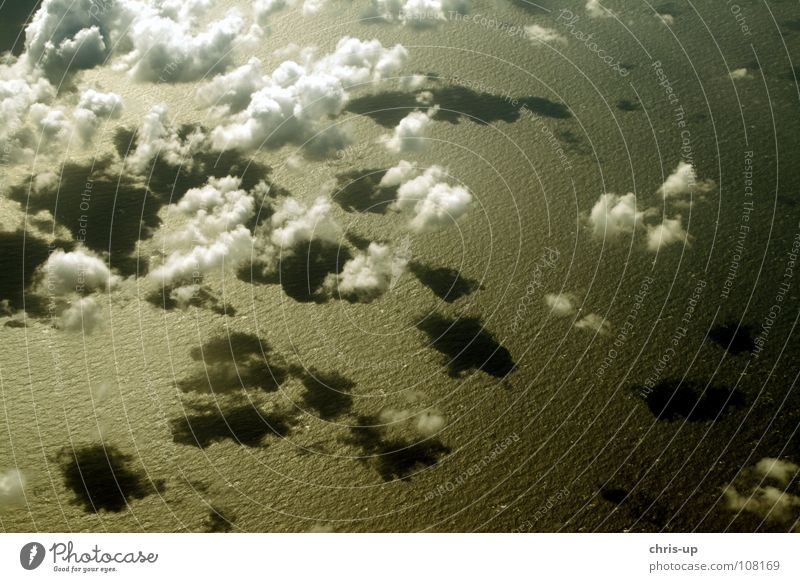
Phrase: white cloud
(540, 34)
(214, 234)
(683, 182)
(742, 73)
(84, 315)
(12, 488)
(613, 215)
(670, 231)
(430, 423)
(45, 182)
(594, 322)
(409, 135)
(432, 202)
(418, 13)
(77, 271)
(294, 223)
(158, 136)
(763, 490)
(596, 10)
(92, 108)
(291, 104)
(780, 470)
(368, 275)
(561, 304)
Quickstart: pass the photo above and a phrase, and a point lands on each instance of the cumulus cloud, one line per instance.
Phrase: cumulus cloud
(594, 322)
(666, 18)
(213, 234)
(418, 13)
(431, 201)
(763, 490)
(12, 488)
(596, 10)
(368, 275)
(430, 423)
(670, 231)
(742, 73)
(78, 271)
(291, 104)
(561, 304)
(84, 315)
(409, 135)
(683, 182)
(540, 34)
(294, 223)
(158, 136)
(92, 108)
(613, 215)
(426, 423)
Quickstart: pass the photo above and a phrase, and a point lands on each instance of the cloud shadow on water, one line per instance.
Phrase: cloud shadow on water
(694, 401)
(103, 478)
(446, 283)
(735, 338)
(393, 458)
(359, 191)
(327, 393)
(467, 345)
(235, 362)
(243, 424)
(455, 103)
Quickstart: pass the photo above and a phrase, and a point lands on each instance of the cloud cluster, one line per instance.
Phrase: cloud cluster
(84, 315)
(368, 275)
(290, 104)
(766, 492)
(418, 13)
(614, 215)
(428, 197)
(158, 136)
(92, 108)
(409, 135)
(12, 488)
(212, 234)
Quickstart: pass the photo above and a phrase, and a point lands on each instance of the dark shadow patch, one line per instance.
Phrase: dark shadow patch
(360, 191)
(628, 105)
(245, 425)
(103, 478)
(733, 337)
(614, 495)
(20, 256)
(791, 25)
(673, 400)
(639, 507)
(358, 241)
(15, 16)
(202, 298)
(573, 143)
(455, 102)
(302, 271)
(467, 345)
(393, 458)
(327, 393)
(446, 283)
(15, 323)
(236, 362)
(218, 521)
(107, 213)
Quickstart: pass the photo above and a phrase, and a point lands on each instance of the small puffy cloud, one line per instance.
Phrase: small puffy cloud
(409, 135)
(294, 223)
(158, 136)
(45, 182)
(779, 470)
(743, 73)
(77, 271)
(670, 231)
(763, 490)
(92, 108)
(683, 182)
(432, 202)
(561, 304)
(613, 215)
(12, 488)
(596, 10)
(594, 322)
(540, 34)
(666, 18)
(83, 315)
(430, 423)
(368, 275)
